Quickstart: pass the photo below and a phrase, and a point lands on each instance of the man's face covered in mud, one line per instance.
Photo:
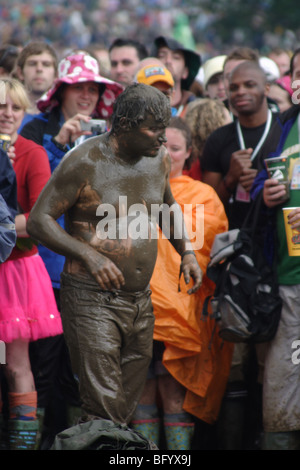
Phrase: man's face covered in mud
(141, 115)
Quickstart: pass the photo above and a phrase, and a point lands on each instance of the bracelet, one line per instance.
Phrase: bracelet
(226, 186)
(62, 147)
(188, 252)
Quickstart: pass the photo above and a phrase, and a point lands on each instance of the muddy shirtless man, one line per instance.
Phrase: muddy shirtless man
(106, 305)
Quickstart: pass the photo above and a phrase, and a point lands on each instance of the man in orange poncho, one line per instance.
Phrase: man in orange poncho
(190, 363)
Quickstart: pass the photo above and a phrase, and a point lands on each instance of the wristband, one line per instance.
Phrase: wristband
(62, 147)
(188, 252)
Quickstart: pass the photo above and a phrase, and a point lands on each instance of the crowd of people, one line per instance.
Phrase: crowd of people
(102, 326)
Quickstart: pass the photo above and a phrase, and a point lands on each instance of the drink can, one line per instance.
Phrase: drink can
(5, 142)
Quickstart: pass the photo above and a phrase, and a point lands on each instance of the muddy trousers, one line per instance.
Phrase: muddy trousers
(281, 400)
(109, 336)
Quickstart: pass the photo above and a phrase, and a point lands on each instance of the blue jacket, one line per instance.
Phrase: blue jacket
(273, 147)
(274, 144)
(8, 183)
(8, 236)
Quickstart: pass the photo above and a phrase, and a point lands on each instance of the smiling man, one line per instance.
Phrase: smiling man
(281, 408)
(229, 158)
(106, 307)
(229, 163)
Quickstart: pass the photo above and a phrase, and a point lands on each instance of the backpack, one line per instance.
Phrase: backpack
(246, 304)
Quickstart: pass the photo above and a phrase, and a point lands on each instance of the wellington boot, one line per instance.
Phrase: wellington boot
(22, 434)
(289, 440)
(148, 428)
(3, 434)
(179, 435)
(40, 415)
(74, 413)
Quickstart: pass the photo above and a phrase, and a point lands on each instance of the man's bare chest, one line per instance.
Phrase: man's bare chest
(120, 189)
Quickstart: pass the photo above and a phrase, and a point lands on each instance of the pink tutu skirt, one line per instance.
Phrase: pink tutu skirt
(27, 307)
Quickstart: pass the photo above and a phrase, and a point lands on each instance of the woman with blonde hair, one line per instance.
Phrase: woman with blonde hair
(28, 309)
(203, 116)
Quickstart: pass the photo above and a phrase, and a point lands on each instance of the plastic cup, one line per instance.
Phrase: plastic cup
(292, 235)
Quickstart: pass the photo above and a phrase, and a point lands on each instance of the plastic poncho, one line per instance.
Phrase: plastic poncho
(202, 368)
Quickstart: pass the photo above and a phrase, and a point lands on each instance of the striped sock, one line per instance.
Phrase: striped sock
(22, 406)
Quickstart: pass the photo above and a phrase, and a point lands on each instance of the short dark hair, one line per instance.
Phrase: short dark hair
(36, 48)
(8, 57)
(136, 102)
(139, 47)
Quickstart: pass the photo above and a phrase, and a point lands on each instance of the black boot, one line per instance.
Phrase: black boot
(231, 422)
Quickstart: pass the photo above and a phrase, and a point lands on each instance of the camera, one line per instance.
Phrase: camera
(96, 126)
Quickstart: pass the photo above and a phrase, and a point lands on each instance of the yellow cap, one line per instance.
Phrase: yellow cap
(151, 74)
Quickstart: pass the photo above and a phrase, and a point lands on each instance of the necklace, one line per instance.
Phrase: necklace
(241, 194)
(262, 139)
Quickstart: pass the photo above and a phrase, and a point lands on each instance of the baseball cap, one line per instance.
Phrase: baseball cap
(151, 74)
(212, 67)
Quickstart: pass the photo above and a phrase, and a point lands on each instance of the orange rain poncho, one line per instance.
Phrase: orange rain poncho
(202, 368)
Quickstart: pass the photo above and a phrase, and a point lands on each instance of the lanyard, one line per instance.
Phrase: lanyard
(263, 137)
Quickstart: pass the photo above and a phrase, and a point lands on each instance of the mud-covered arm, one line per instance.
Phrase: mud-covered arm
(58, 196)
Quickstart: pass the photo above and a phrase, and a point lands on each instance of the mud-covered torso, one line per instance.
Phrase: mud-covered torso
(114, 212)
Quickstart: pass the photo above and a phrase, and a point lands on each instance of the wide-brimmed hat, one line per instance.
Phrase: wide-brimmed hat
(80, 67)
(192, 59)
(151, 74)
(212, 67)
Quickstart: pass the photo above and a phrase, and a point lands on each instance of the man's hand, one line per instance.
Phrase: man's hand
(273, 192)
(239, 161)
(247, 178)
(190, 268)
(106, 273)
(294, 218)
(11, 152)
